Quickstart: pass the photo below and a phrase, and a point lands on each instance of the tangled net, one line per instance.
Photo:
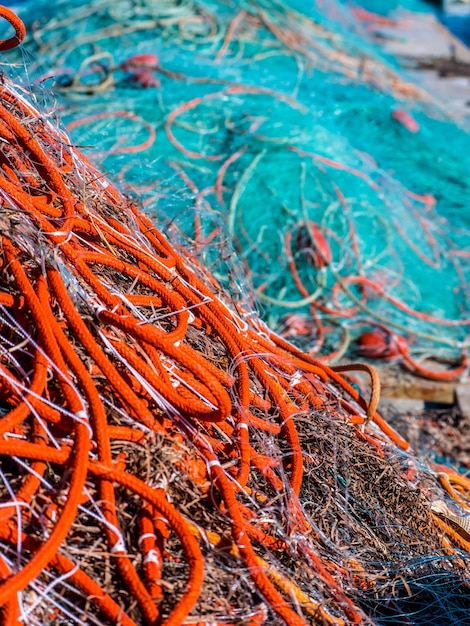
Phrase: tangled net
(167, 459)
(277, 126)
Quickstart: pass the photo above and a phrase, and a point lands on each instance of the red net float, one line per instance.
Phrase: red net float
(311, 241)
(378, 344)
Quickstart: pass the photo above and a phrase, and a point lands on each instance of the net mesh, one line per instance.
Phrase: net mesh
(166, 458)
(281, 132)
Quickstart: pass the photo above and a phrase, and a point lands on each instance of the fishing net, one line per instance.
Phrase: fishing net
(167, 459)
(279, 131)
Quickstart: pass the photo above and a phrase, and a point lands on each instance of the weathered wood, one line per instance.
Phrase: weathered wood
(439, 61)
(397, 383)
(462, 395)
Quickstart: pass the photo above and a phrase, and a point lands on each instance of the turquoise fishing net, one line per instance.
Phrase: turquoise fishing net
(256, 119)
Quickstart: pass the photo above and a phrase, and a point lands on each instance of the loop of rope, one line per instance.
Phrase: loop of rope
(20, 30)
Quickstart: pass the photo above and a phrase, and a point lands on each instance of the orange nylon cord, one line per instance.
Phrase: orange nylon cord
(20, 30)
(126, 369)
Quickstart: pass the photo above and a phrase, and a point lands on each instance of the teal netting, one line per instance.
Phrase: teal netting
(277, 130)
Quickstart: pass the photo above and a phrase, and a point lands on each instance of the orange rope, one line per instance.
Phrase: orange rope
(20, 30)
(110, 326)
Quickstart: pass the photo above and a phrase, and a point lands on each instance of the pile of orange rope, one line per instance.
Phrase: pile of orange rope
(108, 335)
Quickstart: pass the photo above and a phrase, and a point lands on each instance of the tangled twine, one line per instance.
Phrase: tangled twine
(290, 108)
(151, 436)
